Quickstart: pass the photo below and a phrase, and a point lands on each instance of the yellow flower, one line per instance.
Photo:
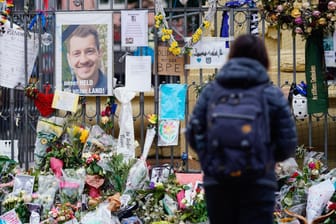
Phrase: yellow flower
(84, 135)
(195, 38)
(152, 118)
(76, 130)
(206, 24)
(167, 31)
(322, 21)
(43, 141)
(165, 37)
(176, 51)
(174, 44)
(199, 31)
(296, 13)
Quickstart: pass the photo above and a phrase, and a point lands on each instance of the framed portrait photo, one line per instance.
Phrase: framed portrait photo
(84, 55)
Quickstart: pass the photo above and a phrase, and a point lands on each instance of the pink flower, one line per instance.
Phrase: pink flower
(312, 165)
(332, 5)
(280, 8)
(298, 30)
(298, 20)
(89, 160)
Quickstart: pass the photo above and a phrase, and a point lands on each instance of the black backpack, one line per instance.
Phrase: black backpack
(238, 133)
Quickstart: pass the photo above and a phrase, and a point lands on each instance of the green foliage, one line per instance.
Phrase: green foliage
(199, 87)
(118, 170)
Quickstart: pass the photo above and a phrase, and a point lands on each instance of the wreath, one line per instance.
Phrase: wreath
(166, 33)
(300, 16)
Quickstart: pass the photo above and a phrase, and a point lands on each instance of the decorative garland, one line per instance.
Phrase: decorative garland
(166, 33)
(301, 17)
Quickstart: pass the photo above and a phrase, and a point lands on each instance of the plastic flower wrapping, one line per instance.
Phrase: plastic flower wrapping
(305, 190)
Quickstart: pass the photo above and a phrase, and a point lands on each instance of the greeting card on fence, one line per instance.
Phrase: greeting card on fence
(168, 132)
(65, 101)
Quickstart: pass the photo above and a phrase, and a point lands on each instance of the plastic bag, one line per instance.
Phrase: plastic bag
(318, 197)
(47, 188)
(102, 215)
(98, 141)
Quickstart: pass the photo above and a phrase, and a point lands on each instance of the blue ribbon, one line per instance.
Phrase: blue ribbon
(239, 3)
(225, 20)
(34, 20)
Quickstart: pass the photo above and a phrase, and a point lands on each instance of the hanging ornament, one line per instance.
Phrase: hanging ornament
(46, 39)
(183, 2)
(77, 3)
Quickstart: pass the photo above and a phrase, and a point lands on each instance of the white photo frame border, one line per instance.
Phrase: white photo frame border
(84, 18)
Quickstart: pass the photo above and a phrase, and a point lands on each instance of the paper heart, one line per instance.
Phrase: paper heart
(199, 60)
(43, 103)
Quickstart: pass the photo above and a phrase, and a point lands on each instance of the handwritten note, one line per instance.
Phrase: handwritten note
(168, 64)
(210, 52)
(12, 56)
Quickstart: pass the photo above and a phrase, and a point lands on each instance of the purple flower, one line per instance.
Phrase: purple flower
(152, 185)
(316, 13)
(298, 20)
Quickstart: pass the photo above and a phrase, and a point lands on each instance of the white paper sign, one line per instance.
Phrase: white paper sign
(329, 50)
(12, 56)
(134, 28)
(138, 73)
(209, 52)
(65, 101)
(6, 149)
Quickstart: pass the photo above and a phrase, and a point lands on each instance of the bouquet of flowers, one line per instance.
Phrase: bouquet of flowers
(62, 213)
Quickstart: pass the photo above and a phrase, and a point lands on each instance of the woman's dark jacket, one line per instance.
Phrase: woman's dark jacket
(243, 73)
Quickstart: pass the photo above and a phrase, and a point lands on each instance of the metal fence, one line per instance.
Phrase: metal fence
(19, 116)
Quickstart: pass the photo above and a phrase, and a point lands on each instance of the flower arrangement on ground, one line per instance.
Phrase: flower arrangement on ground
(62, 213)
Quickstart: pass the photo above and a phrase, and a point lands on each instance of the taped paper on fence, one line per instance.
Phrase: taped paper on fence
(138, 73)
(168, 132)
(209, 52)
(12, 66)
(172, 101)
(65, 101)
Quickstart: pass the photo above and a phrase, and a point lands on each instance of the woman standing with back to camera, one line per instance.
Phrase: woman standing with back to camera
(238, 201)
